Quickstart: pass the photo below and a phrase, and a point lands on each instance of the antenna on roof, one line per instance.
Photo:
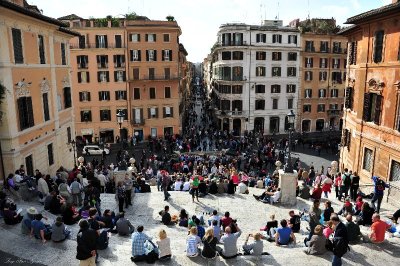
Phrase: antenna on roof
(261, 13)
(277, 17)
(308, 9)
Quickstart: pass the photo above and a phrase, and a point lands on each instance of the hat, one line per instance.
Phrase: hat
(32, 210)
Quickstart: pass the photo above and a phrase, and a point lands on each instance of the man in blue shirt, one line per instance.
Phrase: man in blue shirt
(38, 228)
(284, 234)
(380, 186)
(138, 244)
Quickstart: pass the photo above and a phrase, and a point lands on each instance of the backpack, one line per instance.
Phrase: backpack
(102, 241)
(340, 246)
(380, 185)
(346, 180)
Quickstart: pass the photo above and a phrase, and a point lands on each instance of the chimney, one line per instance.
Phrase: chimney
(395, 1)
(18, 2)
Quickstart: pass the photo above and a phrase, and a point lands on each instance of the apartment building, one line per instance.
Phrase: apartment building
(323, 76)
(36, 109)
(255, 76)
(134, 66)
(371, 127)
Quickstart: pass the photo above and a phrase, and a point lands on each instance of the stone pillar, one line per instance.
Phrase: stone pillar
(287, 183)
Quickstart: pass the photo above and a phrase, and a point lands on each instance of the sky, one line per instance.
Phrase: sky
(200, 19)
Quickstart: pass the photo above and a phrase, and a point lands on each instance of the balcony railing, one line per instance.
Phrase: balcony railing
(230, 113)
(310, 49)
(83, 66)
(236, 78)
(93, 45)
(138, 122)
(155, 77)
(334, 112)
(233, 43)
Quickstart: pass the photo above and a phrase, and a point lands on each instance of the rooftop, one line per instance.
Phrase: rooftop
(393, 8)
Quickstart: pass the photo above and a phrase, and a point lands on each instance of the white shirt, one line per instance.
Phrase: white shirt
(178, 185)
(102, 179)
(276, 196)
(242, 188)
(186, 186)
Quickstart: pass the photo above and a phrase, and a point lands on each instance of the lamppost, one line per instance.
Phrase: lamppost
(289, 167)
(120, 120)
(73, 145)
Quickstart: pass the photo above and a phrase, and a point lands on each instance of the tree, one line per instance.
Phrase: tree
(170, 18)
(131, 16)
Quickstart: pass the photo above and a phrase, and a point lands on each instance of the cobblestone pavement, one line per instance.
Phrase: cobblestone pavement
(251, 216)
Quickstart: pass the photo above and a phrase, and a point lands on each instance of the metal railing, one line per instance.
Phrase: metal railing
(94, 45)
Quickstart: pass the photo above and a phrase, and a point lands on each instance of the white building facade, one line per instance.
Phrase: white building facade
(255, 76)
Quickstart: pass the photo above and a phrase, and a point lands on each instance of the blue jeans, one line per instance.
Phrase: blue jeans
(379, 199)
(336, 261)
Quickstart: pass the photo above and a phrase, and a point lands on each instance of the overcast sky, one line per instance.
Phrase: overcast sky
(200, 19)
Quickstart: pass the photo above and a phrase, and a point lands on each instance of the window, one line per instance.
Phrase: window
(167, 92)
(120, 95)
(292, 56)
(46, 111)
(274, 104)
(137, 115)
(308, 76)
(119, 60)
(25, 113)
(334, 93)
(335, 63)
(86, 116)
(276, 71)
(103, 76)
(168, 112)
(226, 39)
(63, 55)
(319, 124)
(153, 112)
(378, 46)
(290, 88)
(166, 55)
(67, 97)
(134, 37)
(102, 61)
(260, 88)
(69, 135)
(29, 165)
(225, 105)
(324, 47)
(346, 138)
(105, 115)
(290, 103)
(322, 93)
(349, 98)
(82, 42)
(291, 71)
(260, 104)
(101, 41)
(166, 37)
(136, 93)
(323, 75)
(123, 111)
(151, 55)
(50, 154)
(237, 55)
(118, 41)
(83, 77)
(237, 105)
(261, 37)
(237, 89)
(237, 38)
(394, 171)
(310, 46)
(261, 55)
(119, 76)
(135, 73)
(151, 37)
(84, 96)
(167, 73)
(337, 47)
(83, 61)
(275, 88)
(323, 62)
(292, 39)
(321, 108)
(274, 125)
(308, 62)
(104, 95)
(152, 93)
(372, 107)
(17, 46)
(336, 77)
(237, 73)
(135, 55)
(307, 108)
(152, 74)
(276, 38)
(153, 132)
(353, 53)
(276, 56)
(260, 71)
(333, 106)
(42, 58)
(226, 55)
(308, 93)
(368, 160)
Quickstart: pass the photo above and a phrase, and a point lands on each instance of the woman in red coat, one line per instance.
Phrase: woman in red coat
(317, 192)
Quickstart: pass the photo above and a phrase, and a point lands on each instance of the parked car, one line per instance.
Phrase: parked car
(94, 150)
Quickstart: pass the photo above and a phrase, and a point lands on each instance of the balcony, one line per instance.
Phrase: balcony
(83, 66)
(93, 46)
(334, 112)
(137, 122)
(324, 50)
(337, 50)
(310, 49)
(229, 113)
(233, 43)
(155, 77)
(102, 65)
(236, 78)
(119, 65)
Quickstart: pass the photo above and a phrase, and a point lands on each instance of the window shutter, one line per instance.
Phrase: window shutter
(155, 54)
(17, 45)
(78, 60)
(295, 39)
(133, 115)
(366, 107)
(115, 75)
(147, 37)
(138, 37)
(162, 55)
(105, 41)
(378, 109)
(347, 102)
(130, 36)
(80, 96)
(131, 55)
(88, 95)
(147, 54)
(156, 112)
(82, 116)
(172, 111)
(274, 38)
(170, 55)
(123, 58)
(98, 59)
(115, 59)
(257, 38)
(79, 77)
(141, 115)
(149, 112)
(29, 111)
(164, 112)
(108, 76)
(139, 55)
(98, 76)
(155, 37)
(264, 38)
(97, 41)
(124, 76)
(87, 77)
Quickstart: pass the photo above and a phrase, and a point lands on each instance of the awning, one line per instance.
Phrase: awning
(87, 131)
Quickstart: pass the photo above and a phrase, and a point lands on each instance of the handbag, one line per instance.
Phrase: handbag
(191, 191)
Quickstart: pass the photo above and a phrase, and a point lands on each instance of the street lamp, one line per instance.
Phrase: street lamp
(120, 120)
(289, 167)
(73, 145)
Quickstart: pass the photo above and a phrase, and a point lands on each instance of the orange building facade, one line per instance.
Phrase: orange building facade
(37, 118)
(371, 129)
(323, 75)
(134, 66)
